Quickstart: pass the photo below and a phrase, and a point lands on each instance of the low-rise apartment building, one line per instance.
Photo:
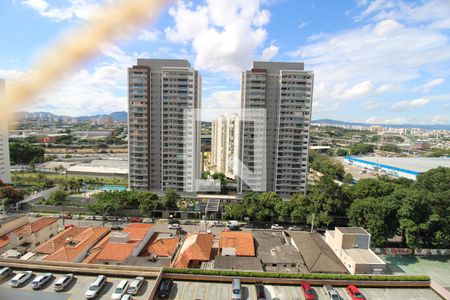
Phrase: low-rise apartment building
(34, 234)
(352, 247)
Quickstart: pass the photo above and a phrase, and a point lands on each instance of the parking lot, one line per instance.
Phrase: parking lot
(75, 290)
(183, 290)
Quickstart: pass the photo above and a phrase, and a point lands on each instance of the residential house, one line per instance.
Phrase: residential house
(351, 245)
(236, 244)
(197, 248)
(34, 234)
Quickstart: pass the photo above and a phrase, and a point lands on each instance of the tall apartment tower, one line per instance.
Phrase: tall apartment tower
(225, 144)
(277, 160)
(5, 167)
(164, 125)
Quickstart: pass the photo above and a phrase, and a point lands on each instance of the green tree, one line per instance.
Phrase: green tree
(370, 187)
(361, 149)
(170, 199)
(341, 152)
(148, 203)
(435, 180)
(235, 211)
(23, 153)
(58, 197)
(391, 148)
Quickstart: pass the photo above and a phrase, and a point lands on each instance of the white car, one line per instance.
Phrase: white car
(62, 283)
(41, 280)
(120, 290)
(135, 286)
(20, 279)
(89, 218)
(126, 297)
(276, 227)
(95, 287)
(5, 272)
(174, 226)
(148, 220)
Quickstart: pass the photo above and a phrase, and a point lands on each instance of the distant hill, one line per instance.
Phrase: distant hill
(425, 127)
(117, 116)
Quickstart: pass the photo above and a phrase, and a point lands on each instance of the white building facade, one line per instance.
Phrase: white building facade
(277, 159)
(5, 165)
(164, 125)
(225, 144)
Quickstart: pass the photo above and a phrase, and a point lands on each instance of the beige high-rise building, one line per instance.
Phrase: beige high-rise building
(164, 125)
(225, 144)
(276, 160)
(5, 166)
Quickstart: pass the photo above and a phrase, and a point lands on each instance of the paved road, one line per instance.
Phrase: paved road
(75, 291)
(184, 290)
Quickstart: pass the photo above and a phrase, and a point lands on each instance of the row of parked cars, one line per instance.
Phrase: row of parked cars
(307, 290)
(123, 291)
(101, 218)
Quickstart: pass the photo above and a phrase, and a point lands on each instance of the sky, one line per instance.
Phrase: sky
(376, 61)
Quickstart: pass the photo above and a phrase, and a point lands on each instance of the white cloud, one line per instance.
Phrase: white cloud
(75, 9)
(224, 34)
(428, 86)
(358, 90)
(221, 103)
(269, 52)
(148, 36)
(408, 104)
(303, 24)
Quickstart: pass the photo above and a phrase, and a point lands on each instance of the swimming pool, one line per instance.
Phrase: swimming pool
(112, 188)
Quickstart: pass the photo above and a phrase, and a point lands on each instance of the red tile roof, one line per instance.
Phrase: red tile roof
(241, 241)
(137, 231)
(121, 251)
(4, 240)
(80, 243)
(160, 246)
(96, 249)
(34, 226)
(196, 247)
(59, 240)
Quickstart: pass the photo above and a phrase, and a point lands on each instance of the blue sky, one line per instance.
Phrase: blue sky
(382, 61)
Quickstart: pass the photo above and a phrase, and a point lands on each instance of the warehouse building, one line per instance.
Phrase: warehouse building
(408, 167)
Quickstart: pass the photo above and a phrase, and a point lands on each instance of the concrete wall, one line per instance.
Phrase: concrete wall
(13, 225)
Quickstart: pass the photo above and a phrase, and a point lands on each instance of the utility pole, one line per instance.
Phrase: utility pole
(312, 222)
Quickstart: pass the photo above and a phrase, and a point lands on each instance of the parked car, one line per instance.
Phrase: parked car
(354, 293)
(89, 218)
(56, 216)
(5, 272)
(77, 217)
(165, 287)
(20, 279)
(234, 228)
(68, 226)
(232, 223)
(68, 217)
(126, 297)
(135, 286)
(123, 219)
(63, 282)
(236, 289)
(95, 287)
(331, 292)
(120, 290)
(308, 292)
(276, 227)
(188, 222)
(98, 218)
(217, 224)
(294, 228)
(260, 292)
(148, 220)
(111, 218)
(41, 280)
(136, 220)
(174, 221)
(175, 226)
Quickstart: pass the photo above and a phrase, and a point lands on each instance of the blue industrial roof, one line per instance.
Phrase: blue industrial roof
(351, 158)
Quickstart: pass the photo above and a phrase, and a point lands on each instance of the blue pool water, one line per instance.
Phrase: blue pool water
(112, 188)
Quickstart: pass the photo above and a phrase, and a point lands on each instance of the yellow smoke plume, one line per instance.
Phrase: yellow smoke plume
(112, 21)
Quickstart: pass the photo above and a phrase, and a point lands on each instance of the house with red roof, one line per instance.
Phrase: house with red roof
(72, 244)
(122, 244)
(197, 248)
(234, 243)
(34, 234)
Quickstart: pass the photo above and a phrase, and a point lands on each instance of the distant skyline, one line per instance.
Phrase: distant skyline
(379, 61)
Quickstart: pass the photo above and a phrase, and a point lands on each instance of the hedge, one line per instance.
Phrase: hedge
(299, 276)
